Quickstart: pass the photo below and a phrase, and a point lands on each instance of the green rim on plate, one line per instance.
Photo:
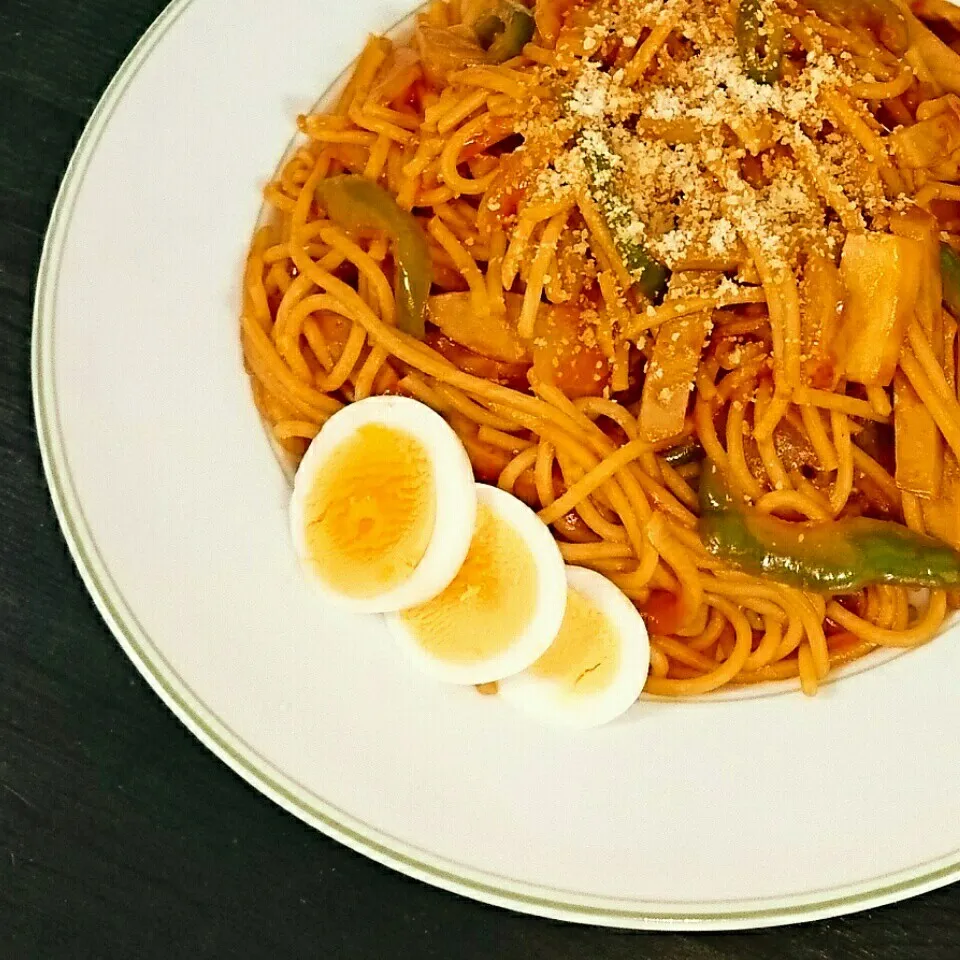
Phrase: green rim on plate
(257, 771)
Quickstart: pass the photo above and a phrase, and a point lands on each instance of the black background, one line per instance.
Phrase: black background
(120, 836)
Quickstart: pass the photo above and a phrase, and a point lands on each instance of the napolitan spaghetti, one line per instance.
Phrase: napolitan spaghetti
(683, 265)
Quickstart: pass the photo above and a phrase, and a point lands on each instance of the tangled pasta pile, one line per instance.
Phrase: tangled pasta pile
(681, 275)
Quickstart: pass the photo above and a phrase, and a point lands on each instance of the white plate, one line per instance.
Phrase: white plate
(721, 814)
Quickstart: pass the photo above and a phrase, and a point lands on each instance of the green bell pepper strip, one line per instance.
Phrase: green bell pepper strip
(504, 32)
(355, 203)
(650, 275)
(950, 273)
(683, 453)
(835, 557)
(761, 41)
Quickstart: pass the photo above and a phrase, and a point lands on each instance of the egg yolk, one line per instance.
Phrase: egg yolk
(490, 601)
(585, 656)
(370, 513)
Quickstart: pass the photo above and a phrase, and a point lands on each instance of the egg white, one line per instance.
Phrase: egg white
(545, 619)
(455, 501)
(556, 704)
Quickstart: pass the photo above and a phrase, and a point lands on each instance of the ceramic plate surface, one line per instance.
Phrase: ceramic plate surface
(715, 814)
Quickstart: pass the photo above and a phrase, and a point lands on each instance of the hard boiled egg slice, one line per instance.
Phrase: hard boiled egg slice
(383, 507)
(502, 609)
(596, 667)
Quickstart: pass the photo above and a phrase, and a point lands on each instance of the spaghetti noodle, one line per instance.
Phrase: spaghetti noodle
(652, 250)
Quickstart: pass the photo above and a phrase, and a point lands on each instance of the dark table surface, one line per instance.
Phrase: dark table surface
(120, 835)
